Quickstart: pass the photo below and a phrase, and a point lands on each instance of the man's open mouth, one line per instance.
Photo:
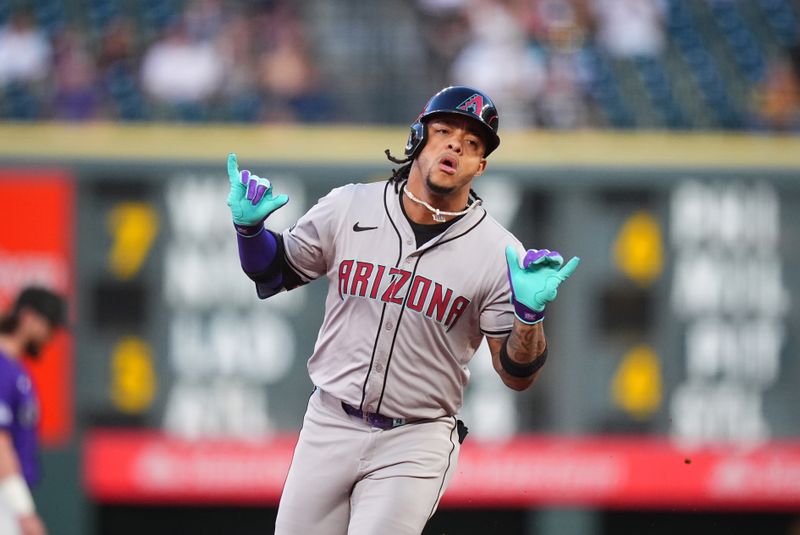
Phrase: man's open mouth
(448, 164)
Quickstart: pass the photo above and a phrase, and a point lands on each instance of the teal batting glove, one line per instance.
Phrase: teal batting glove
(535, 282)
(250, 198)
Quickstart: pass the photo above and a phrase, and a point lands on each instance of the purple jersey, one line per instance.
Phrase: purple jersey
(19, 415)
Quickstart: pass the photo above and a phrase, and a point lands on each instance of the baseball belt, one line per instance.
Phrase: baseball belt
(373, 418)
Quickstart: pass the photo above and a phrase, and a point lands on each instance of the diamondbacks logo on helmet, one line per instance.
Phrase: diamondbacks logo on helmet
(473, 104)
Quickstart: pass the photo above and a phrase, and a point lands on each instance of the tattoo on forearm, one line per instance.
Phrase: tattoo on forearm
(525, 343)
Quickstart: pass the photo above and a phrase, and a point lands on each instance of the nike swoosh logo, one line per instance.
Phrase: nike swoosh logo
(356, 228)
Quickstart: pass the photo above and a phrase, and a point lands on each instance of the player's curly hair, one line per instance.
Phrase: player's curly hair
(400, 174)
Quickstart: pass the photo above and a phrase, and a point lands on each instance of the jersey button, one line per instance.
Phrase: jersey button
(409, 241)
(379, 368)
(389, 326)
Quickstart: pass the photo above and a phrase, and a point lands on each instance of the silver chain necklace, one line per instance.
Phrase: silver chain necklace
(438, 215)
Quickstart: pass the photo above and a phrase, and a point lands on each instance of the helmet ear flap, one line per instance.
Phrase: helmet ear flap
(416, 139)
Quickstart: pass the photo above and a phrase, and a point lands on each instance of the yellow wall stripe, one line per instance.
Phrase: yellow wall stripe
(365, 145)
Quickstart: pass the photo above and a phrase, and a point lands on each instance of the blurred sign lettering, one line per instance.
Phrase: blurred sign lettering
(728, 292)
(133, 226)
(133, 381)
(224, 346)
(638, 251)
(637, 383)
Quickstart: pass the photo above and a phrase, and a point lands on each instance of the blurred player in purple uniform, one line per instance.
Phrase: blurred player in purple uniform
(24, 331)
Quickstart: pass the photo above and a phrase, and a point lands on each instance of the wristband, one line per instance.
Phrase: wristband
(524, 314)
(17, 496)
(248, 231)
(516, 369)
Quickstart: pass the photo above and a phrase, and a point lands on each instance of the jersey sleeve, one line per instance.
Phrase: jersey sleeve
(497, 314)
(309, 246)
(8, 398)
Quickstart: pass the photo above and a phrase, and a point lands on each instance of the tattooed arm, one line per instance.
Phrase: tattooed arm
(534, 282)
(525, 345)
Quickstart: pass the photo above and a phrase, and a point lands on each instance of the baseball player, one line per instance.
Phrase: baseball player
(34, 318)
(418, 274)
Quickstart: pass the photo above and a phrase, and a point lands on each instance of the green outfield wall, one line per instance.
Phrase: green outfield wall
(680, 323)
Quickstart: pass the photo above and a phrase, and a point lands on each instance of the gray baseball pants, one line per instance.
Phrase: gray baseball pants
(348, 478)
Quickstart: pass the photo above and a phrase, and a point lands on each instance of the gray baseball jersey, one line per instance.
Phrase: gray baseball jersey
(401, 322)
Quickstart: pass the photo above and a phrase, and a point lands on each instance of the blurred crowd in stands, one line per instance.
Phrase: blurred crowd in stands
(210, 61)
(683, 64)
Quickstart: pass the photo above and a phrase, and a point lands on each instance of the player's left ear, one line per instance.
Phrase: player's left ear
(481, 167)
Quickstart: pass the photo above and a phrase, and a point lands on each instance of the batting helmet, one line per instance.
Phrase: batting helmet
(459, 100)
